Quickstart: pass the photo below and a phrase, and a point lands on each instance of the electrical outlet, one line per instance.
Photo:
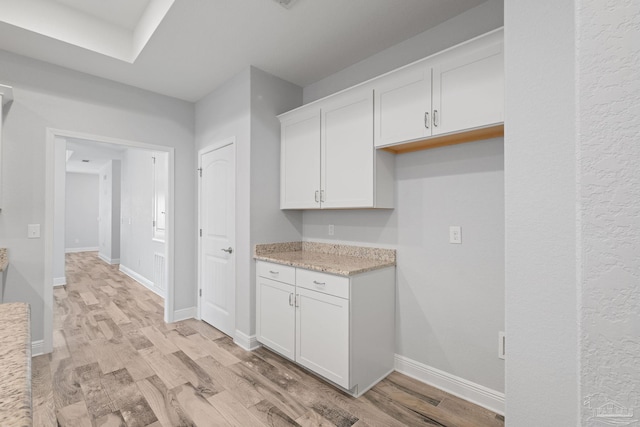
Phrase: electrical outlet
(331, 230)
(502, 344)
(455, 234)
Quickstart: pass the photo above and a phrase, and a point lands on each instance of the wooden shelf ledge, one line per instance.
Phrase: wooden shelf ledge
(449, 139)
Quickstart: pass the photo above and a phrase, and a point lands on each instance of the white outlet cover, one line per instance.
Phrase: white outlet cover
(33, 231)
(455, 234)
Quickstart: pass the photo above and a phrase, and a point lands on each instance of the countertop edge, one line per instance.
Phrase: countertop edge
(324, 269)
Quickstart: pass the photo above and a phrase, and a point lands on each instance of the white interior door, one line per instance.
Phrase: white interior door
(217, 241)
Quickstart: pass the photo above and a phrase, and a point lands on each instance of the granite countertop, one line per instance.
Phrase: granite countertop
(15, 365)
(4, 259)
(342, 260)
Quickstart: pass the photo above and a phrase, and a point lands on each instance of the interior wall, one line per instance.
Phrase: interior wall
(48, 96)
(59, 274)
(109, 212)
(138, 245)
(270, 96)
(541, 214)
(81, 212)
(474, 22)
(223, 114)
(450, 297)
(245, 108)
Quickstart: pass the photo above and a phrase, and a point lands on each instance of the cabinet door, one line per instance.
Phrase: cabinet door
(347, 150)
(403, 105)
(468, 90)
(322, 335)
(275, 316)
(300, 160)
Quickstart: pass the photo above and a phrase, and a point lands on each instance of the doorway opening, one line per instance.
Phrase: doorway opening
(122, 212)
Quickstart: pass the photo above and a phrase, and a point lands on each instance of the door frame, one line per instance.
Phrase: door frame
(50, 168)
(207, 149)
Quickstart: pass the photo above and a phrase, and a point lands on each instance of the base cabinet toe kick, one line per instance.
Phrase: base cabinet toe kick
(340, 328)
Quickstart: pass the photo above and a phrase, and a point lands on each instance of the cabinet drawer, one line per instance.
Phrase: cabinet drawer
(322, 282)
(281, 273)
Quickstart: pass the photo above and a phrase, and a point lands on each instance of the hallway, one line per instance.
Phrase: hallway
(116, 363)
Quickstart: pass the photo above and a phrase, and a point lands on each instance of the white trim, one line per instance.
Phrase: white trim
(185, 313)
(37, 348)
(246, 342)
(60, 281)
(141, 279)
(108, 260)
(465, 389)
(76, 250)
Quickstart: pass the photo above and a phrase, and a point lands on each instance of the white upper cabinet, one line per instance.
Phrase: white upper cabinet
(347, 152)
(403, 105)
(328, 160)
(456, 91)
(300, 160)
(468, 90)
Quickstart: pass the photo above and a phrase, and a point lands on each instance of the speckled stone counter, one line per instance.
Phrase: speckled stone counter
(15, 365)
(343, 260)
(4, 259)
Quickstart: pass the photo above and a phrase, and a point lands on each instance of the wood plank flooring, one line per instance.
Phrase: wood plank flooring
(116, 363)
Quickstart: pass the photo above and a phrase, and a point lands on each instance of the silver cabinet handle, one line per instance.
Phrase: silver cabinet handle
(435, 118)
(229, 250)
(297, 302)
(319, 283)
(322, 199)
(274, 272)
(291, 299)
(317, 192)
(426, 120)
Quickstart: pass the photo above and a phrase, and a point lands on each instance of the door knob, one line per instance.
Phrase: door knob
(230, 250)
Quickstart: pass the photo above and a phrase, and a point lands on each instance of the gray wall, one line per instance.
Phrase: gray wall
(138, 247)
(270, 96)
(51, 96)
(81, 211)
(109, 208)
(450, 297)
(450, 304)
(540, 215)
(479, 20)
(245, 110)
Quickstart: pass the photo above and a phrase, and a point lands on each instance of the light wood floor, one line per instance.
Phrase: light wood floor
(116, 363)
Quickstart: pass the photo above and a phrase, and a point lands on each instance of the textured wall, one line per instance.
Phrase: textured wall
(609, 155)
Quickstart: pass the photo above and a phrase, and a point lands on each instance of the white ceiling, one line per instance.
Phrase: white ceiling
(98, 154)
(201, 43)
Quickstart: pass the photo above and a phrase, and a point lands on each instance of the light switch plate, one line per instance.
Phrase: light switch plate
(33, 231)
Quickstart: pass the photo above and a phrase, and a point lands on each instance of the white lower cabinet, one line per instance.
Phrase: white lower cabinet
(341, 328)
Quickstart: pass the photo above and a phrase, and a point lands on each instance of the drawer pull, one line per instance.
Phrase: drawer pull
(319, 283)
(274, 272)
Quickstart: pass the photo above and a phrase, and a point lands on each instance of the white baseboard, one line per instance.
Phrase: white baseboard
(141, 279)
(245, 341)
(74, 250)
(108, 260)
(465, 389)
(37, 348)
(59, 281)
(185, 313)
